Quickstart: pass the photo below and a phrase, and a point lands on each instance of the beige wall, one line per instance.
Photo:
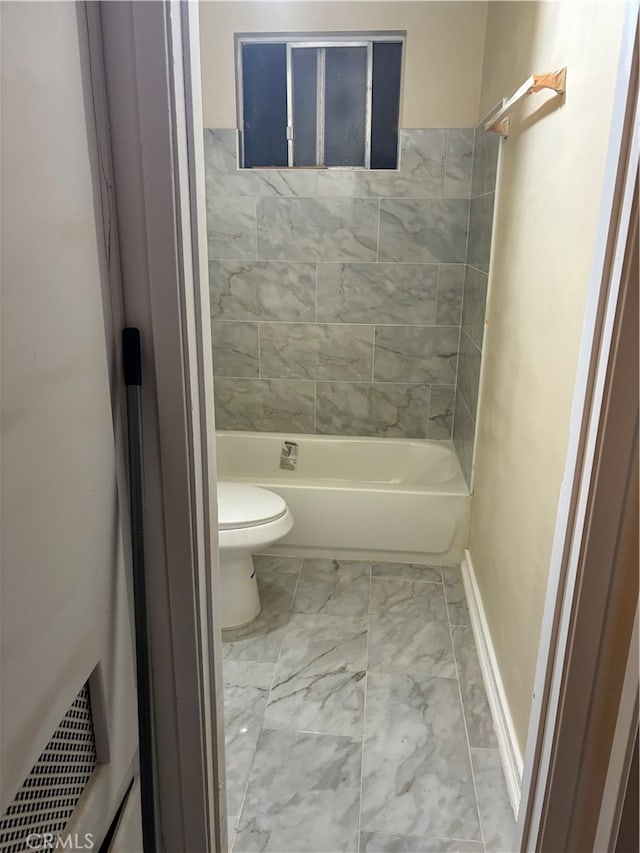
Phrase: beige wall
(443, 62)
(547, 208)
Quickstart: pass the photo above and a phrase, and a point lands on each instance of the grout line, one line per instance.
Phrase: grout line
(456, 386)
(316, 266)
(315, 407)
(262, 728)
(378, 236)
(464, 718)
(444, 166)
(259, 352)
(335, 323)
(470, 339)
(373, 352)
(255, 217)
(364, 708)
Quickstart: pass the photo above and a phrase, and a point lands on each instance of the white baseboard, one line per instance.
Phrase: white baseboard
(503, 723)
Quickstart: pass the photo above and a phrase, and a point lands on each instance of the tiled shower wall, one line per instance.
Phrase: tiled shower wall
(483, 190)
(336, 295)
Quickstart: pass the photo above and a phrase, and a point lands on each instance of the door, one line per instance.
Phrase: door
(66, 629)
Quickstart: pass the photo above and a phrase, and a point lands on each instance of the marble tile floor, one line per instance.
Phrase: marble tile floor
(356, 718)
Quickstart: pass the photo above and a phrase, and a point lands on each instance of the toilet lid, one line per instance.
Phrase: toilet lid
(240, 505)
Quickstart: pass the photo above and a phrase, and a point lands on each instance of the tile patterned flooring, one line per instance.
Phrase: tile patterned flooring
(356, 718)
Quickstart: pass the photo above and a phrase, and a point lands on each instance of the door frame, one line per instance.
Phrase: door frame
(146, 84)
(156, 132)
(575, 595)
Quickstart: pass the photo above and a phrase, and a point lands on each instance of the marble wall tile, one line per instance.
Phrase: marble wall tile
(469, 373)
(308, 802)
(359, 183)
(235, 349)
(474, 304)
(317, 229)
(224, 178)
(378, 293)
(422, 160)
(463, 436)
(246, 690)
(419, 175)
(264, 267)
(496, 814)
(441, 405)
(231, 227)
(450, 290)
(423, 230)
(416, 778)
(351, 408)
(415, 354)
(335, 587)
(321, 351)
(474, 699)
(486, 149)
(480, 227)
(459, 162)
(264, 405)
(383, 842)
(406, 571)
(262, 290)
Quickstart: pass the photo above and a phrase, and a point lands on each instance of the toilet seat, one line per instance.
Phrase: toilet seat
(242, 506)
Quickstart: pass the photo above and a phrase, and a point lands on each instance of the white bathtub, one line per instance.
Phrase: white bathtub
(359, 498)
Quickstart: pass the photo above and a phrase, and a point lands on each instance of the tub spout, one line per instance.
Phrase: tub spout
(289, 455)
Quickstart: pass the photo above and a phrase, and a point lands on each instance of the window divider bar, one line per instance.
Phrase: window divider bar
(290, 139)
(368, 107)
(320, 105)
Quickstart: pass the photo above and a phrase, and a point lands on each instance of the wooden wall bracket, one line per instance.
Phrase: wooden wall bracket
(556, 81)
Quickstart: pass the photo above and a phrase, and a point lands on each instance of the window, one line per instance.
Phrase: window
(319, 102)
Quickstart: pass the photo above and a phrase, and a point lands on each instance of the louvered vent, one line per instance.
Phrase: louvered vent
(52, 789)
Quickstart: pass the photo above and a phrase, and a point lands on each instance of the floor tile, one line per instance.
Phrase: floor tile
(416, 778)
(246, 689)
(295, 683)
(276, 563)
(262, 638)
(334, 587)
(406, 571)
(456, 601)
(474, 698)
(409, 644)
(379, 842)
(316, 644)
(331, 702)
(496, 814)
(408, 599)
(303, 794)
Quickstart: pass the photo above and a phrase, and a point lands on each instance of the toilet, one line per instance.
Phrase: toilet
(249, 520)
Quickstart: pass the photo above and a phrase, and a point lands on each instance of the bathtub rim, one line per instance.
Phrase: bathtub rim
(456, 485)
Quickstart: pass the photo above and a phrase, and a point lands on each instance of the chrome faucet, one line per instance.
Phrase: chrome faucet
(289, 456)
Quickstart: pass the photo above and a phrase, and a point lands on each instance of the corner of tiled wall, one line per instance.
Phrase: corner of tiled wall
(483, 185)
(336, 296)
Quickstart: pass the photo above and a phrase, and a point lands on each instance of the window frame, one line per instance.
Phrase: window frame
(295, 41)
